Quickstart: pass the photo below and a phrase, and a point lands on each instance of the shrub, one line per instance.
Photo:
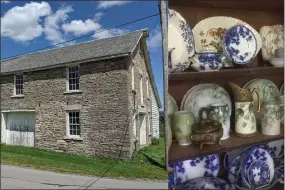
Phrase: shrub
(154, 141)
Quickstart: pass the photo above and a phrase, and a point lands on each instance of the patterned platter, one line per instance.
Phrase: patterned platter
(266, 89)
(180, 42)
(240, 45)
(209, 33)
(272, 39)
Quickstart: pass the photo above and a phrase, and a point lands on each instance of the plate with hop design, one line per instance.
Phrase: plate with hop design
(181, 45)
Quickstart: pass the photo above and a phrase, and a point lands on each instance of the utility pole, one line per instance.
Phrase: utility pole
(163, 23)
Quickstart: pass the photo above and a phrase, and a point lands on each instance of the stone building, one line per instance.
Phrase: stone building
(95, 98)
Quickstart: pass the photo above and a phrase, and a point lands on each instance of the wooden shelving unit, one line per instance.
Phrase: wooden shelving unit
(180, 153)
(256, 13)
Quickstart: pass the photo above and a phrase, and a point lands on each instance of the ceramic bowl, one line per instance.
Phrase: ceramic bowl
(207, 61)
(277, 62)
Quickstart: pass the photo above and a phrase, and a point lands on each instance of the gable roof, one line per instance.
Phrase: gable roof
(103, 48)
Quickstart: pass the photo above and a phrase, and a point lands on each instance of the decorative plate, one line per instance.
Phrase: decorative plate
(258, 174)
(266, 89)
(257, 154)
(198, 167)
(172, 106)
(233, 161)
(204, 95)
(180, 38)
(272, 39)
(209, 33)
(202, 183)
(279, 169)
(186, 96)
(240, 45)
(276, 149)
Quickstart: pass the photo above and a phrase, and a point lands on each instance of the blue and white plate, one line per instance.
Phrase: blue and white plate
(276, 149)
(205, 183)
(204, 166)
(254, 155)
(180, 42)
(258, 174)
(240, 45)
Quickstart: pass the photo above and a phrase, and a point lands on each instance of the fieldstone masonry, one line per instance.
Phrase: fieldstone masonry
(106, 110)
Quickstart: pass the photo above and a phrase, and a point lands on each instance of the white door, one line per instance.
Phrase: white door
(20, 128)
(142, 129)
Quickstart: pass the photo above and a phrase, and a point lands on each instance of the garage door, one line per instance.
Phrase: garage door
(19, 128)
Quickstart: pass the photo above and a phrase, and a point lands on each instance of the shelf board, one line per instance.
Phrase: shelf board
(224, 73)
(273, 5)
(181, 153)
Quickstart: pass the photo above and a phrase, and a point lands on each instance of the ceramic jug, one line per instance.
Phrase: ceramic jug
(220, 113)
(245, 121)
(183, 122)
(272, 114)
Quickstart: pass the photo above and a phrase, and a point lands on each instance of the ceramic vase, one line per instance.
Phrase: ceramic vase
(272, 114)
(220, 113)
(245, 121)
(169, 133)
(183, 122)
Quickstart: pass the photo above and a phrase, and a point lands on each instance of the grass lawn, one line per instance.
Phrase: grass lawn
(146, 163)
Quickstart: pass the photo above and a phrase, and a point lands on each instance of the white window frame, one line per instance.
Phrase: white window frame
(147, 88)
(133, 77)
(15, 90)
(141, 91)
(68, 124)
(67, 78)
(135, 126)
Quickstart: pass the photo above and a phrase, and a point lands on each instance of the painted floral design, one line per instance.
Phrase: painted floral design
(233, 39)
(212, 60)
(215, 41)
(258, 174)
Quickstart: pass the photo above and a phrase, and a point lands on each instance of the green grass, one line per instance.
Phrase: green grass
(146, 163)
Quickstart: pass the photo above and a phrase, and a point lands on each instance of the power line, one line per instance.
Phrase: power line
(48, 47)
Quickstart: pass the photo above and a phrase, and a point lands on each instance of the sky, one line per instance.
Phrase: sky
(31, 25)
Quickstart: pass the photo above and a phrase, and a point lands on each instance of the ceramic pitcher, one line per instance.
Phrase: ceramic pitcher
(272, 114)
(245, 121)
(218, 112)
(183, 122)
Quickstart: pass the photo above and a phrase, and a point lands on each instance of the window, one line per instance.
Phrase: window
(141, 90)
(135, 126)
(147, 88)
(73, 78)
(133, 78)
(73, 124)
(19, 84)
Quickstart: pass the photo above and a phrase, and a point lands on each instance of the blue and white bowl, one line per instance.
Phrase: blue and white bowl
(204, 166)
(207, 61)
(204, 183)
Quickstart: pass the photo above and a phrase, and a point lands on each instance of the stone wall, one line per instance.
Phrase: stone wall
(104, 112)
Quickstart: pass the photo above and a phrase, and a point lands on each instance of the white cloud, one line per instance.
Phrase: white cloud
(79, 27)
(154, 40)
(51, 26)
(109, 33)
(5, 2)
(108, 4)
(23, 23)
(98, 16)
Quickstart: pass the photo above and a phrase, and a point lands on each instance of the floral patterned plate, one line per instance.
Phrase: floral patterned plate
(205, 183)
(198, 167)
(258, 174)
(204, 95)
(209, 33)
(240, 45)
(272, 39)
(266, 89)
(180, 42)
(276, 149)
(254, 155)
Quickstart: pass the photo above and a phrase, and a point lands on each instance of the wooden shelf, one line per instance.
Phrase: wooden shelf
(181, 153)
(224, 73)
(273, 5)
(278, 186)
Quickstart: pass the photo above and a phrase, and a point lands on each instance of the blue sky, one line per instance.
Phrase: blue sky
(31, 25)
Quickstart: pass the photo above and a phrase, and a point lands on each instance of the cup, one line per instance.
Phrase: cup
(220, 113)
(183, 122)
